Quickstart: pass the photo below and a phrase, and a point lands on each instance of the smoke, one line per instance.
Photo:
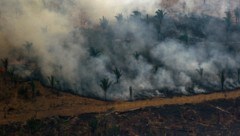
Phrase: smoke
(64, 39)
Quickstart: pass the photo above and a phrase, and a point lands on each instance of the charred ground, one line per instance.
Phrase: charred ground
(220, 117)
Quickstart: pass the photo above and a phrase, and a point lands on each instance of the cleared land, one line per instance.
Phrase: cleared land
(48, 104)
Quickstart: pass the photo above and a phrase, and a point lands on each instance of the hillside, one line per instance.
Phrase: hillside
(218, 117)
(49, 103)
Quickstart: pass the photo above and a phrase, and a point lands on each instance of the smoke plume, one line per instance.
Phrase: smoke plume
(82, 42)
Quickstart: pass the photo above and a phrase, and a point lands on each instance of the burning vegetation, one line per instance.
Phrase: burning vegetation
(132, 53)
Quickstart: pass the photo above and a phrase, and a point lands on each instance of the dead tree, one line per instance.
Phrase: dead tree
(238, 75)
(200, 72)
(222, 78)
(131, 93)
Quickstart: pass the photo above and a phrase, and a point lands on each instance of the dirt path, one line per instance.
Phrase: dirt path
(70, 105)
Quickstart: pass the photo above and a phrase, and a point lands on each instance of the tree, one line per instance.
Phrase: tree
(105, 84)
(159, 18)
(103, 23)
(222, 78)
(118, 74)
(33, 88)
(237, 14)
(136, 55)
(200, 72)
(136, 14)
(12, 75)
(94, 52)
(5, 64)
(238, 75)
(119, 18)
(52, 81)
(28, 46)
(228, 20)
(93, 124)
(160, 15)
(34, 125)
(184, 38)
(155, 68)
(131, 93)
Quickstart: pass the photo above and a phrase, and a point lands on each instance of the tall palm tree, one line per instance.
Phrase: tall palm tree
(160, 15)
(119, 18)
(159, 18)
(103, 23)
(118, 74)
(237, 14)
(136, 14)
(228, 20)
(105, 84)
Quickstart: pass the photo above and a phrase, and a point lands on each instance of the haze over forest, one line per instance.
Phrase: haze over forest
(155, 48)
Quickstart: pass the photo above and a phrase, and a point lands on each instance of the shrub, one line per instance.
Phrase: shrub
(113, 131)
(5, 63)
(34, 125)
(23, 92)
(94, 52)
(93, 124)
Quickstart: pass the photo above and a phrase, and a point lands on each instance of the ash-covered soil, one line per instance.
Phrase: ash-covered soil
(221, 117)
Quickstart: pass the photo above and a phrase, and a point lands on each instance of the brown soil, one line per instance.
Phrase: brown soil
(13, 108)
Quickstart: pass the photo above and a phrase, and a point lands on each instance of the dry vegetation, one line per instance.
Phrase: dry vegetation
(24, 112)
(219, 117)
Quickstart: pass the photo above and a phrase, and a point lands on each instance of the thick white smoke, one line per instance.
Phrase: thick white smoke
(61, 33)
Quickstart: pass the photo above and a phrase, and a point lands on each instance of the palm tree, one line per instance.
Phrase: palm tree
(237, 14)
(136, 55)
(160, 15)
(28, 46)
(200, 71)
(105, 84)
(94, 52)
(118, 74)
(228, 20)
(119, 18)
(136, 14)
(159, 18)
(103, 22)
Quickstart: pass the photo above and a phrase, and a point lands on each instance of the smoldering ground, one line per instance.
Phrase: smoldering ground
(78, 43)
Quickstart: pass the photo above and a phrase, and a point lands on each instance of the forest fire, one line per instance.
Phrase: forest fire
(157, 51)
(80, 67)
